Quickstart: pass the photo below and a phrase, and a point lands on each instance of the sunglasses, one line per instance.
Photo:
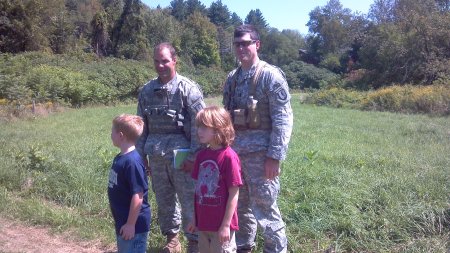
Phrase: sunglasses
(245, 43)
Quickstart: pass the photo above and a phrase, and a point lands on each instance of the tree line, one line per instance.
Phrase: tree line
(396, 42)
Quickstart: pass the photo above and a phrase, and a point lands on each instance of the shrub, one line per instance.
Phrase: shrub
(210, 79)
(301, 75)
(336, 97)
(433, 99)
(75, 79)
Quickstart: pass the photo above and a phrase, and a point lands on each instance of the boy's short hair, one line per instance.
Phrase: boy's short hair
(244, 29)
(220, 120)
(130, 125)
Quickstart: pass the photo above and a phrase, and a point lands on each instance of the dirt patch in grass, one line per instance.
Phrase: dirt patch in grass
(19, 237)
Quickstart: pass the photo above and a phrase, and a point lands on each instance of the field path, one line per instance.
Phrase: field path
(17, 237)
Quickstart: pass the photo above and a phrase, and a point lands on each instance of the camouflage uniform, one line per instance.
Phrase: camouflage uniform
(169, 114)
(258, 197)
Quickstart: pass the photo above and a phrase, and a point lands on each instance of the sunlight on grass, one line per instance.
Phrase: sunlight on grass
(353, 181)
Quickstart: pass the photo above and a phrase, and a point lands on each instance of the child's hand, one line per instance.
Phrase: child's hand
(127, 231)
(224, 234)
(191, 228)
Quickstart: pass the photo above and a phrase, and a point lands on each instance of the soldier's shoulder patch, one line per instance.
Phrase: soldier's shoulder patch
(281, 92)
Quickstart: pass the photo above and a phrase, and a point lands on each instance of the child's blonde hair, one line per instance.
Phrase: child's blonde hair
(220, 120)
(130, 125)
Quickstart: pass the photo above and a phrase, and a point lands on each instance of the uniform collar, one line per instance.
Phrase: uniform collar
(170, 83)
(249, 73)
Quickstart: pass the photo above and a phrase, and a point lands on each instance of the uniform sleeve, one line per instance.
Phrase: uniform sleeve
(195, 102)
(280, 113)
(140, 144)
(227, 90)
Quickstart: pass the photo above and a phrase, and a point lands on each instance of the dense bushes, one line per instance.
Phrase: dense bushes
(335, 97)
(81, 79)
(301, 75)
(73, 80)
(210, 79)
(433, 99)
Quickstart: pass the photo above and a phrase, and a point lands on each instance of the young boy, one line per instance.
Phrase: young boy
(218, 173)
(128, 187)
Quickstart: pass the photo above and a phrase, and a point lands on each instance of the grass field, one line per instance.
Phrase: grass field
(353, 181)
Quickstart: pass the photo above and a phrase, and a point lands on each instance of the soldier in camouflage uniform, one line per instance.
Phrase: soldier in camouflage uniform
(168, 104)
(257, 96)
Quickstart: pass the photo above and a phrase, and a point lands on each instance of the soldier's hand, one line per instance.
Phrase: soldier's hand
(272, 168)
(187, 166)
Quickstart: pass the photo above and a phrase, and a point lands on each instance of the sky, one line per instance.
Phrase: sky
(281, 14)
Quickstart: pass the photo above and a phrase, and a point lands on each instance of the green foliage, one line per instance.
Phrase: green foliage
(281, 48)
(256, 18)
(432, 99)
(331, 24)
(204, 47)
(76, 80)
(172, 31)
(210, 79)
(219, 14)
(409, 44)
(331, 62)
(14, 32)
(301, 75)
(336, 97)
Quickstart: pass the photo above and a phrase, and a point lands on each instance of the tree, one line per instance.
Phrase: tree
(81, 13)
(329, 24)
(413, 48)
(15, 29)
(62, 30)
(200, 40)
(256, 18)
(195, 6)
(281, 48)
(99, 35)
(179, 9)
(172, 31)
(219, 14)
(236, 20)
(128, 35)
(382, 11)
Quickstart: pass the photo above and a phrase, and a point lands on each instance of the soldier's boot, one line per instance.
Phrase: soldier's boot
(173, 244)
(192, 247)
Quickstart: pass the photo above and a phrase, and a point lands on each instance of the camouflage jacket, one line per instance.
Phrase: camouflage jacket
(162, 106)
(272, 92)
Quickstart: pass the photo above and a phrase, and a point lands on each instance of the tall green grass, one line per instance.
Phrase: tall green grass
(353, 181)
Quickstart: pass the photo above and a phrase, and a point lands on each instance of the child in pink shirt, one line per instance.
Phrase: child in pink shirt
(218, 173)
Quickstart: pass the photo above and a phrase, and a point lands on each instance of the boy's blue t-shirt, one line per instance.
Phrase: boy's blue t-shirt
(126, 178)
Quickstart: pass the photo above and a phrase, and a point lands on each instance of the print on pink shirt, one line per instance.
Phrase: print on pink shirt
(207, 184)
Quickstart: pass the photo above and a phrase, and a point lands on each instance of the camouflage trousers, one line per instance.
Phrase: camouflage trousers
(257, 206)
(174, 192)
